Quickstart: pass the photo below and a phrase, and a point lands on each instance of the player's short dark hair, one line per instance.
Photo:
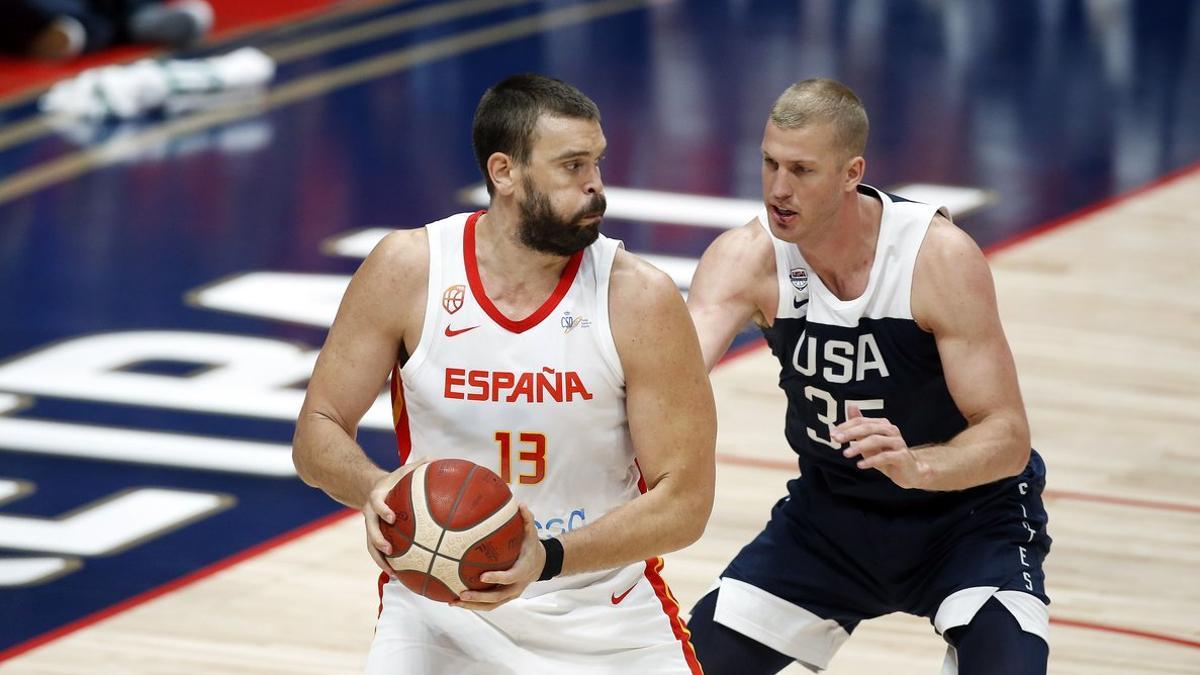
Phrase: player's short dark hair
(508, 112)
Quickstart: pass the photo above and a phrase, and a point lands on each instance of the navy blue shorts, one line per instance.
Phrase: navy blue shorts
(822, 565)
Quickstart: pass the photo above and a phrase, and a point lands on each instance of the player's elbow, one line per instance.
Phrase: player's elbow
(697, 522)
(1019, 459)
(689, 527)
(688, 504)
(304, 446)
(695, 509)
(1019, 447)
(301, 471)
(300, 457)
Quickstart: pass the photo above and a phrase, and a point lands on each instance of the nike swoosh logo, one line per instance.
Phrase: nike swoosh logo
(616, 599)
(797, 304)
(450, 332)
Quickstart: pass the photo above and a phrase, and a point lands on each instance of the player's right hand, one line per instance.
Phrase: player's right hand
(511, 583)
(376, 508)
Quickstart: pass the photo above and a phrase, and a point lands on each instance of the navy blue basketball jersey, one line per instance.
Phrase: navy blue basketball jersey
(867, 351)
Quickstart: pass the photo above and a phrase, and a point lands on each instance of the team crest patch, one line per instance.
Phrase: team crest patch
(570, 323)
(799, 277)
(452, 298)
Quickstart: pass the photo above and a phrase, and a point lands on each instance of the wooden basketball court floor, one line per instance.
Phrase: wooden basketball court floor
(1102, 309)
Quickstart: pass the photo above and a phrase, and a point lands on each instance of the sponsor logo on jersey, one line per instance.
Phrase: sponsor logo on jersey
(565, 522)
(799, 278)
(501, 385)
(570, 323)
(616, 599)
(451, 332)
(452, 298)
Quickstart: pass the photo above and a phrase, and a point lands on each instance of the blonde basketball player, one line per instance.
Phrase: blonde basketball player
(521, 339)
(918, 489)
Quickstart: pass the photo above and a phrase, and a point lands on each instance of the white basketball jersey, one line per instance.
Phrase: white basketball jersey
(539, 400)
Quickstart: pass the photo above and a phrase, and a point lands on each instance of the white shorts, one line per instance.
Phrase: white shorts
(570, 630)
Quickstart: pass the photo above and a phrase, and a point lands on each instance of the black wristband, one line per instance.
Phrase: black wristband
(554, 559)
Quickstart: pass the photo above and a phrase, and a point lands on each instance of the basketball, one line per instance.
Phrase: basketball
(455, 520)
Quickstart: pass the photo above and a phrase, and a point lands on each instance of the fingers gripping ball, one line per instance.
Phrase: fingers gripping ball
(455, 520)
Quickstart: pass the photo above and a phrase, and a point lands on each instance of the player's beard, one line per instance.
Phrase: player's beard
(544, 230)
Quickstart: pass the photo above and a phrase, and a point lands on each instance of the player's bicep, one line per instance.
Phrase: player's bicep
(669, 402)
(721, 296)
(351, 368)
(979, 369)
(716, 315)
(363, 343)
(959, 305)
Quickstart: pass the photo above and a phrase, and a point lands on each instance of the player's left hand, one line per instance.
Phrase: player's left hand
(376, 509)
(514, 580)
(879, 443)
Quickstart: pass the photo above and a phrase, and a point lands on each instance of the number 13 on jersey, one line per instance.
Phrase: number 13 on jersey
(533, 452)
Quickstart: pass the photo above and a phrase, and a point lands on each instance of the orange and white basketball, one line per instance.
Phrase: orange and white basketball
(455, 520)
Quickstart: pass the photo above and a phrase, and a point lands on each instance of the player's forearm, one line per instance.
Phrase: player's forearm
(993, 449)
(327, 457)
(664, 519)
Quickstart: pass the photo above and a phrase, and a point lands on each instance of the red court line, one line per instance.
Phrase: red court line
(1122, 501)
(1088, 625)
(757, 462)
(179, 583)
(1091, 208)
(19, 77)
(239, 14)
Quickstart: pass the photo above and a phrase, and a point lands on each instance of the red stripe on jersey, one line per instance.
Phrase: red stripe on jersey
(400, 417)
(560, 291)
(669, 604)
(383, 579)
(671, 607)
(641, 478)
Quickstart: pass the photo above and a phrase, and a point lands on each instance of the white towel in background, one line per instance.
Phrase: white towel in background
(147, 85)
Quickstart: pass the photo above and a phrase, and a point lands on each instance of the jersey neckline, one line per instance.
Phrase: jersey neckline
(476, 282)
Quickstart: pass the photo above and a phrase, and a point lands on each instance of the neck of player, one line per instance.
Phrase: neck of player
(842, 253)
(516, 277)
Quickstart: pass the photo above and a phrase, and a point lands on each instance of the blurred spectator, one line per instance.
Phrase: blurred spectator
(61, 29)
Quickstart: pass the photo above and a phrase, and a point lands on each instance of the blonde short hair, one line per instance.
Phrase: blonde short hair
(821, 101)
